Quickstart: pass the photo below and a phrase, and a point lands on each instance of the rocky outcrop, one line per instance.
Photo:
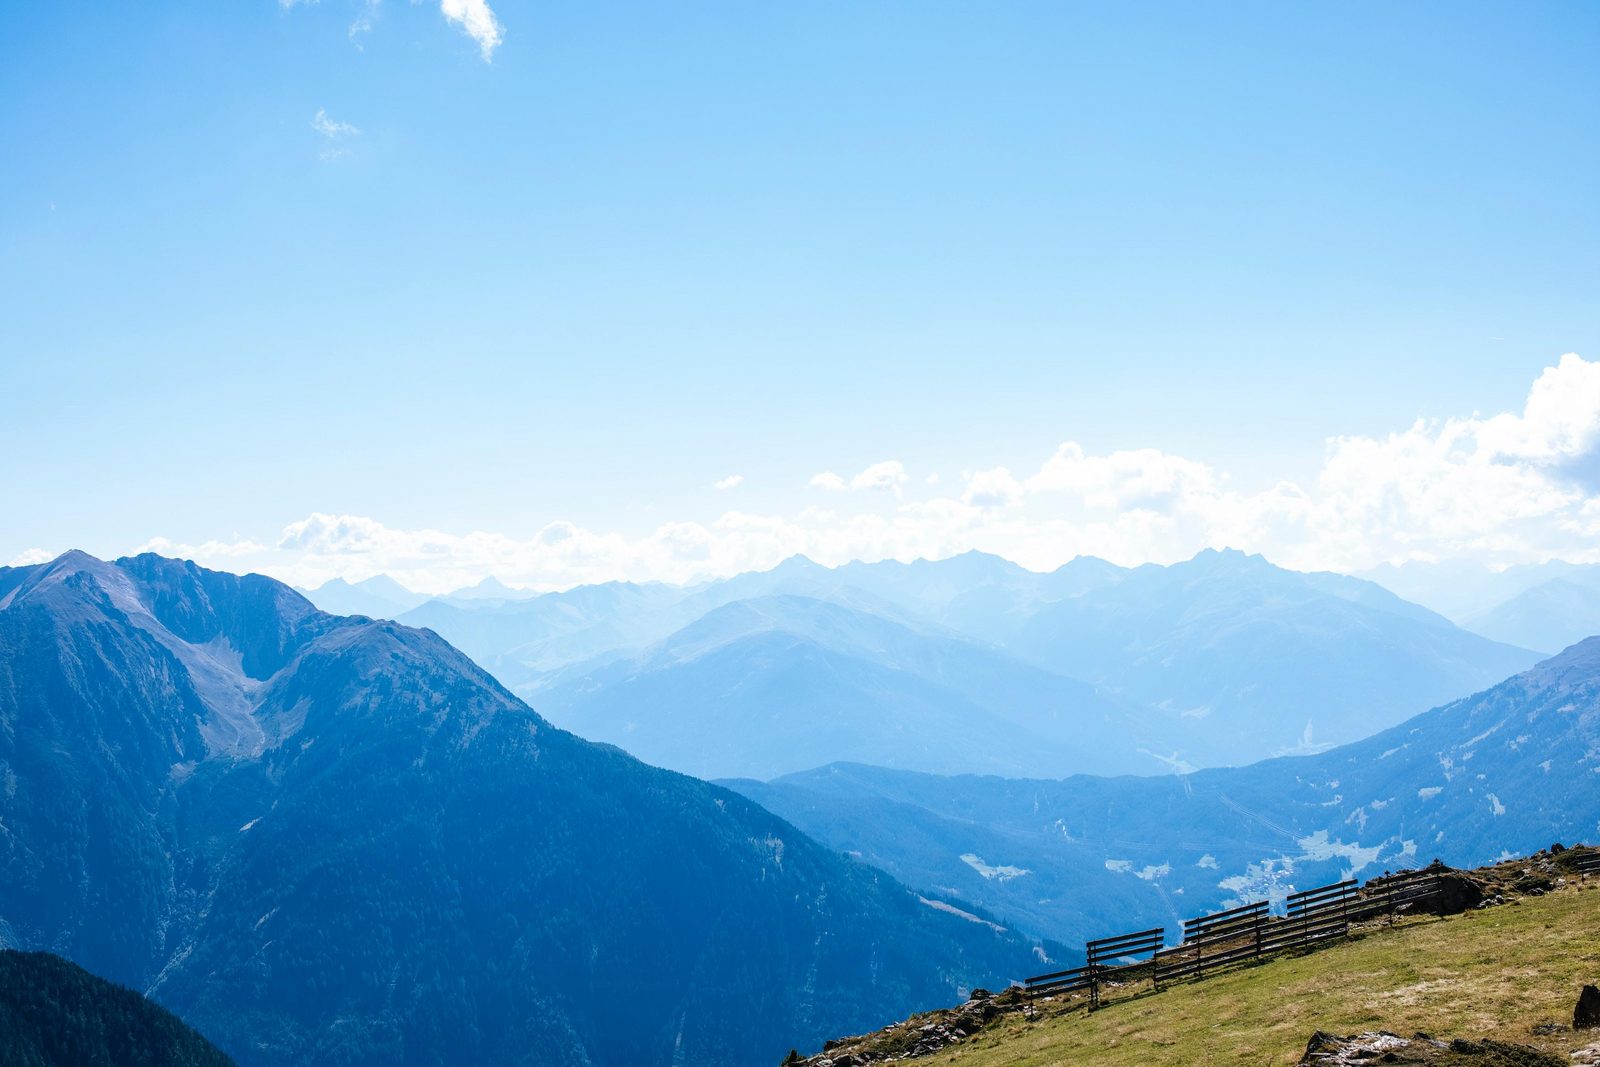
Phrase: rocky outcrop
(1586, 1015)
(1379, 1046)
(921, 1035)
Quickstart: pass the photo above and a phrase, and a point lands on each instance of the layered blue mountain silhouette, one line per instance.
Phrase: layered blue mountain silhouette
(1550, 615)
(1546, 606)
(1248, 660)
(976, 664)
(336, 840)
(775, 684)
(378, 597)
(1505, 771)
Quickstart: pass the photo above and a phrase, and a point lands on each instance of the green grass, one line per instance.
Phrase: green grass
(1494, 973)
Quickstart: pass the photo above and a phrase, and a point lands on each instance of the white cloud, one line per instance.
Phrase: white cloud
(1122, 479)
(992, 489)
(1501, 489)
(364, 21)
(478, 22)
(31, 556)
(475, 18)
(889, 476)
(829, 481)
(333, 130)
(214, 551)
(1560, 422)
(732, 481)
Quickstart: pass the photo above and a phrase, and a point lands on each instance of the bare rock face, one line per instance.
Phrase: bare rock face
(1586, 1015)
(921, 1035)
(1457, 893)
(1362, 1050)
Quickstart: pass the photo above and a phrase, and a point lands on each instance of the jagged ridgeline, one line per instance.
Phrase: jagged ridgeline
(336, 840)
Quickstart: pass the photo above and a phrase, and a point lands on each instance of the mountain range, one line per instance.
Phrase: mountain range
(329, 840)
(1546, 606)
(381, 597)
(1245, 660)
(1505, 771)
(776, 684)
(974, 664)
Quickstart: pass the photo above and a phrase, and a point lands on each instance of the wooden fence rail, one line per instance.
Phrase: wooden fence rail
(1584, 863)
(1123, 947)
(1249, 932)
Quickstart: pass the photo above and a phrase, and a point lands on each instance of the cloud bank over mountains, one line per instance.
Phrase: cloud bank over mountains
(1506, 488)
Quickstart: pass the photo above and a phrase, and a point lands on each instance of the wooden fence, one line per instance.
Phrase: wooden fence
(1222, 939)
(1114, 955)
(1582, 863)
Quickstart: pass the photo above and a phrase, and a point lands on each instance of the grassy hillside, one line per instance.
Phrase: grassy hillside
(1494, 973)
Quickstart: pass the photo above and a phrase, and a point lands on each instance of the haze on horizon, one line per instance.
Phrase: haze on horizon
(444, 291)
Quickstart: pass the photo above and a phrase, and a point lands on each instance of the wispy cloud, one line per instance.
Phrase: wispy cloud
(332, 128)
(335, 135)
(475, 18)
(477, 21)
(235, 549)
(364, 21)
(732, 481)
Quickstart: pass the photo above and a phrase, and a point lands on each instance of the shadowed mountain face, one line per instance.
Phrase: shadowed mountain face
(331, 840)
(1510, 769)
(54, 1012)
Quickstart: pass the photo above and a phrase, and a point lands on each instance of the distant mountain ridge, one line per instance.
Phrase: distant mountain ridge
(1550, 615)
(1546, 606)
(1221, 659)
(378, 597)
(1248, 660)
(336, 840)
(767, 685)
(1506, 770)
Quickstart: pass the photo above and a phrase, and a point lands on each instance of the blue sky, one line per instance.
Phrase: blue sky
(264, 263)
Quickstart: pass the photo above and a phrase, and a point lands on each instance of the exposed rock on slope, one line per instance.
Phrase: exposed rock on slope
(1420, 1050)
